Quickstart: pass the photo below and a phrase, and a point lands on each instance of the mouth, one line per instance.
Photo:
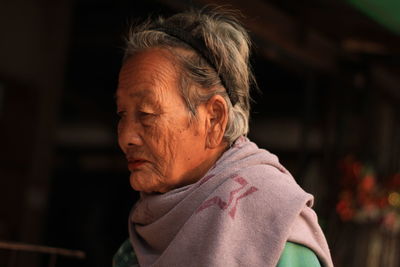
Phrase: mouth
(134, 164)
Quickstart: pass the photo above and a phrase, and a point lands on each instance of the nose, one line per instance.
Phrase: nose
(129, 134)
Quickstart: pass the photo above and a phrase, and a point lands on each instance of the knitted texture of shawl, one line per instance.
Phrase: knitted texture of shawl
(241, 213)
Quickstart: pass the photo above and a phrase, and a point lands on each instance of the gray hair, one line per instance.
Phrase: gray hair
(228, 47)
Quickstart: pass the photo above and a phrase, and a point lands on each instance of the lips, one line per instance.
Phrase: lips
(134, 164)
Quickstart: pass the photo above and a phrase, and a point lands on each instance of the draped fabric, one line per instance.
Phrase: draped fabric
(293, 255)
(241, 213)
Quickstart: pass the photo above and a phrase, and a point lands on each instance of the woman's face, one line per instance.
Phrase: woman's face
(163, 150)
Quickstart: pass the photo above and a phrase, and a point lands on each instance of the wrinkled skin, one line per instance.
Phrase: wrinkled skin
(164, 150)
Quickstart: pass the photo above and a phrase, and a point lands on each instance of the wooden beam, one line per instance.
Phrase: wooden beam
(18, 246)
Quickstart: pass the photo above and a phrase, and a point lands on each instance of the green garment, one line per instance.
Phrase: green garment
(125, 256)
(294, 255)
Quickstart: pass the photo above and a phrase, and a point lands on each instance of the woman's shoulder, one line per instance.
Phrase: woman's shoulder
(296, 255)
(275, 184)
(293, 255)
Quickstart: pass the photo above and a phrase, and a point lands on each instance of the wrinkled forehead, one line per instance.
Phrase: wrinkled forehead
(147, 73)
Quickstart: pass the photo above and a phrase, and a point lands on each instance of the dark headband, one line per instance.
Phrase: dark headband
(198, 45)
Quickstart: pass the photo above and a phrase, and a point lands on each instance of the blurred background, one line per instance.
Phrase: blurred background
(329, 72)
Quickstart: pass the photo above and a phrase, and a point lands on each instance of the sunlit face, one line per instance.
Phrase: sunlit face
(164, 151)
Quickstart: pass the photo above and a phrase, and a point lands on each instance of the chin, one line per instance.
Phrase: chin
(141, 187)
(137, 186)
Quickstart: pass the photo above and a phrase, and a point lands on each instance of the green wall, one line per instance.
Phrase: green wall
(385, 12)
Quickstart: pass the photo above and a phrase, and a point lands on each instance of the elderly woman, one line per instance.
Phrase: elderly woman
(209, 196)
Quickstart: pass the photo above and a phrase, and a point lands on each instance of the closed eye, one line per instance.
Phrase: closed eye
(121, 114)
(146, 114)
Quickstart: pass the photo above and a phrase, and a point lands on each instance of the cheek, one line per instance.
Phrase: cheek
(119, 128)
(169, 144)
(119, 134)
(160, 143)
(173, 134)
(164, 137)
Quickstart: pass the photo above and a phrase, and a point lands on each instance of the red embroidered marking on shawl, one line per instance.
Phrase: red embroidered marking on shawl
(232, 212)
(205, 179)
(217, 201)
(232, 194)
(211, 202)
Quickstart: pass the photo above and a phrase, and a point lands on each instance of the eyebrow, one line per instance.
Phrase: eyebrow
(148, 96)
(141, 93)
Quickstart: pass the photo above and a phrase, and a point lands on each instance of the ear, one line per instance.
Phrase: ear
(217, 119)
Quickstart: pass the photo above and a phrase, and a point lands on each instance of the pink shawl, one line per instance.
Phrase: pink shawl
(241, 213)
